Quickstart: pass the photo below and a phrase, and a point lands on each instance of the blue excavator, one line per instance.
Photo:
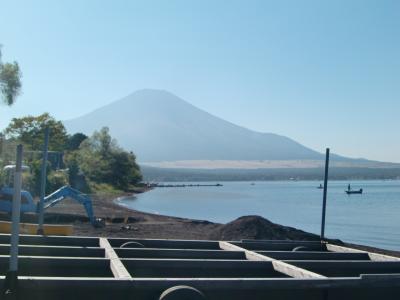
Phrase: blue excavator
(29, 206)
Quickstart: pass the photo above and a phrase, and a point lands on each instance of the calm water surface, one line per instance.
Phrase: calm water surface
(372, 218)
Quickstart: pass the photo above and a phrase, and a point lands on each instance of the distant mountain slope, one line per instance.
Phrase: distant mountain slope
(159, 126)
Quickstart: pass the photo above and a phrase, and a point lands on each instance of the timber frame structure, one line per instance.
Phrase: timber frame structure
(55, 267)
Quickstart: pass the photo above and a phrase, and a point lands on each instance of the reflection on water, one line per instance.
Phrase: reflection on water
(371, 218)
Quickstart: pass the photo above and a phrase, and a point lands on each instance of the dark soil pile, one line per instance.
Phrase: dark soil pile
(258, 228)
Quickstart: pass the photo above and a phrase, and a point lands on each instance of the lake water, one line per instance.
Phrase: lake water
(372, 218)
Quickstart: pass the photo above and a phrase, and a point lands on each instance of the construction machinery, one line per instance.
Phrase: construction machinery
(29, 206)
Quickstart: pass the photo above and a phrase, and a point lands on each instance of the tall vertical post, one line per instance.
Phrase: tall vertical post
(12, 275)
(43, 180)
(325, 193)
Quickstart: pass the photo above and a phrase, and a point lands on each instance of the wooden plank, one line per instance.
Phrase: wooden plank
(117, 267)
(373, 256)
(204, 284)
(37, 250)
(204, 268)
(314, 255)
(167, 244)
(227, 288)
(59, 266)
(52, 240)
(282, 242)
(374, 277)
(278, 265)
(278, 246)
(340, 268)
(177, 253)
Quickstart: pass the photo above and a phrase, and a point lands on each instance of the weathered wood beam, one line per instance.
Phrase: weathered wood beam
(26, 239)
(278, 265)
(372, 255)
(314, 255)
(117, 267)
(278, 245)
(177, 253)
(66, 251)
(294, 242)
(167, 244)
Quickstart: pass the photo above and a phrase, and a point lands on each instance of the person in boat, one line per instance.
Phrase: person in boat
(349, 187)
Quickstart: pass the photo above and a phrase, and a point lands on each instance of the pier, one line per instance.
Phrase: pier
(184, 185)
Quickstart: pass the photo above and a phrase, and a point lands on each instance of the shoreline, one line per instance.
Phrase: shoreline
(125, 222)
(311, 236)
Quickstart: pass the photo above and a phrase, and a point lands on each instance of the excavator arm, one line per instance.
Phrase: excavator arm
(69, 192)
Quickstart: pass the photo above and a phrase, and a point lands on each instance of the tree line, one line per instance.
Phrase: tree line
(87, 163)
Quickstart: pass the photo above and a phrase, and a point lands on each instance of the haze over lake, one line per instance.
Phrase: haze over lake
(370, 219)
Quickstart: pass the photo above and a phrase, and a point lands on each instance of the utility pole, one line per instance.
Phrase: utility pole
(11, 282)
(325, 193)
(43, 181)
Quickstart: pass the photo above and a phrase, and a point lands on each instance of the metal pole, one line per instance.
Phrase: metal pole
(325, 193)
(12, 275)
(43, 181)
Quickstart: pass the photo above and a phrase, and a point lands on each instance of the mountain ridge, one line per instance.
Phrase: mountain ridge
(159, 126)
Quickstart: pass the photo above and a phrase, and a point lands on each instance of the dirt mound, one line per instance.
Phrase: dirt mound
(256, 227)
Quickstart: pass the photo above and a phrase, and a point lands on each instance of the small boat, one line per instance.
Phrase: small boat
(320, 187)
(349, 192)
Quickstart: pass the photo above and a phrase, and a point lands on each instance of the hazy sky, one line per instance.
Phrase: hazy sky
(325, 73)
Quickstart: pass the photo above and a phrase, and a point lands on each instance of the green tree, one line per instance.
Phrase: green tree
(10, 81)
(125, 170)
(94, 156)
(29, 130)
(103, 161)
(75, 177)
(75, 140)
(32, 181)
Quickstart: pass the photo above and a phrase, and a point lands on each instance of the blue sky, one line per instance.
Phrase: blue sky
(325, 73)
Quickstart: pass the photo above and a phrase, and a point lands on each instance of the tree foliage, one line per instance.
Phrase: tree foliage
(30, 131)
(103, 161)
(89, 161)
(55, 179)
(75, 140)
(10, 81)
